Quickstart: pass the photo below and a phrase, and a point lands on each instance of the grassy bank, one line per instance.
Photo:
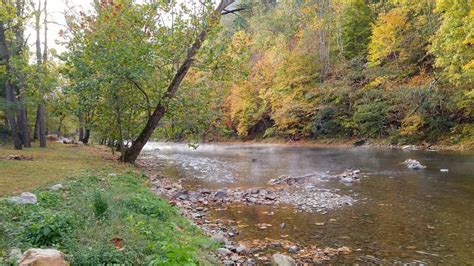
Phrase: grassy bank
(49, 165)
(105, 214)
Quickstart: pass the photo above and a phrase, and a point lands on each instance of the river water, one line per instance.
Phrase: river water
(400, 215)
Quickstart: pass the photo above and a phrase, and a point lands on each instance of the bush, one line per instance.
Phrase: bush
(371, 119)
(49, 229)
(100, 205)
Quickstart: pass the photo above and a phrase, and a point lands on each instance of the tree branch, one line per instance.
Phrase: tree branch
(143, 92)
(225, 12)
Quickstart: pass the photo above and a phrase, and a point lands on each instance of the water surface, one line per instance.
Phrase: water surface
(400, 215)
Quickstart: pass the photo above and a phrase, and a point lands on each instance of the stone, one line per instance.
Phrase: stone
(241, 250)
(293, 249)
(413, 164)
(223, 251)
(219, 238)
(24, 198)
(57, 187)
(42, 257)
(229, 262)
(444, 170)
(282, 260)
(220, 194)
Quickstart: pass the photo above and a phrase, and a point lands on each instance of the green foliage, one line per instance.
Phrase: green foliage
(100, 205)
(370, 119)
(356, 28)
(47, 229)
(140, 228)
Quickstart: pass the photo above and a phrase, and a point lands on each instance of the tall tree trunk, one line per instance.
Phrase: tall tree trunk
(87, 135)
(131, 154)
(41, 114)
(19, 46)
(10, 96)
(23, 123)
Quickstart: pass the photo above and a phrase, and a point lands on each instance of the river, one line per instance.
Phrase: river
(399, 214)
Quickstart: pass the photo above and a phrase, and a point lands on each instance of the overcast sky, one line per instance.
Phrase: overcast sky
(56, 10)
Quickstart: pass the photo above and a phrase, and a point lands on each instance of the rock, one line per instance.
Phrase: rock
(229, 262)
(182, 195)
(220, 194)
(282, 225)
(241, 250)
(444, 170)
(24, 198)
(293, 249)
(413, 164)
(223, 251)
(282, 260)
(42, 257)
(14, 254)
(360, 142)
(219, 238)
(270, 197)
(57, 187)
(409, 148)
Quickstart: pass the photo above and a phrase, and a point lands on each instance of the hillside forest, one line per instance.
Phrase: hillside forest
(395, 70)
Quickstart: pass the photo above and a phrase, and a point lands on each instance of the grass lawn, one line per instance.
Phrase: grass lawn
(50, 165)
(105, 215)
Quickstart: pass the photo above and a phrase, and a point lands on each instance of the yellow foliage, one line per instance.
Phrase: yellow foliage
(411, 125)
(387, 35)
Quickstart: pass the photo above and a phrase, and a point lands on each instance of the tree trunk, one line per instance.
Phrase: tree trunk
(35, 133)
(23, 124)
(41, 125)
(40, 130)
(87, 135)
(10, 96)
(131, 154)
(22, 112)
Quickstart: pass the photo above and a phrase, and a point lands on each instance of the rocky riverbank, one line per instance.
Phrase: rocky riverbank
(301, 194)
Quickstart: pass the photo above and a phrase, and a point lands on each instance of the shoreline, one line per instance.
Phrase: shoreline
(342, 143)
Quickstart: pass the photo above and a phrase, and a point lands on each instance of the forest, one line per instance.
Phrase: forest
(229, 132)
(398, 70)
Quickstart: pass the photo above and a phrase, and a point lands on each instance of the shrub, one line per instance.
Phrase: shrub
(100, 205)
(370, 119)
(49, 229)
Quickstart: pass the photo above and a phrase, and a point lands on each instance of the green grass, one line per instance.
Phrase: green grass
(84, 220)
(50, 165)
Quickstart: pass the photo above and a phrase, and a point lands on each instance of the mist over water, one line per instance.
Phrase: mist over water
(400, 215)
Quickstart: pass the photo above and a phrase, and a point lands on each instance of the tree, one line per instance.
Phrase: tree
(356, 28)
(6, 17)
(131, 154)
(41, 69)
(453, 42)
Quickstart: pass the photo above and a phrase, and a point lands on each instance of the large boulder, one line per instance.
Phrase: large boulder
(413, 164)
(282, 260)
(24, 198)
(42, 257)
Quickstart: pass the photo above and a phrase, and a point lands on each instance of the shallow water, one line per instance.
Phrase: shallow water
(400, 215)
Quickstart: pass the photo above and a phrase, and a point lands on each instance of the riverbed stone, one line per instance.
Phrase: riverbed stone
(42, 257)
(413, 164)
(219, 238)
(223, 251)
(293, 249)
(24, 198)
(282, 260)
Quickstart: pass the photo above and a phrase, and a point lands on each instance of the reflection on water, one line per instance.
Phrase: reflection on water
(402, 215)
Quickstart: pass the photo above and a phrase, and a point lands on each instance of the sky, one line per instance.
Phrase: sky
(56, 9)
